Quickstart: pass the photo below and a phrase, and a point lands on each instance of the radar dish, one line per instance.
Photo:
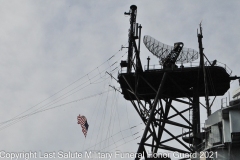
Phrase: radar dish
(161, 51)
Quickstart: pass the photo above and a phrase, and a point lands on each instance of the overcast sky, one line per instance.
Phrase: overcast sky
(56, 54)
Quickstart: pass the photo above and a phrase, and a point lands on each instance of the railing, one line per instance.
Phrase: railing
(210, 143)
(123, 70)
(201, 146)
(191, 64)
(158, 66)
(220, 64)
(153, 67)
(186, 133)
(224, 103)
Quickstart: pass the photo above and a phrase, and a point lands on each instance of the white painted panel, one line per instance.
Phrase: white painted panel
(226, 131)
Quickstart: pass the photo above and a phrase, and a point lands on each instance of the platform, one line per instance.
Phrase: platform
(218, 82)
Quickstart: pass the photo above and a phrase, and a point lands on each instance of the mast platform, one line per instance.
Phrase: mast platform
(187, 78)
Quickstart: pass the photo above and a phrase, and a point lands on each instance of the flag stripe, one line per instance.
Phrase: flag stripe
(83, 122)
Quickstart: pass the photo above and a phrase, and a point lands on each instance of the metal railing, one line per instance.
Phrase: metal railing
(220, 64)
(192, 64)
(158, 66)
(224, 103)
(187, 65)
(153, 67)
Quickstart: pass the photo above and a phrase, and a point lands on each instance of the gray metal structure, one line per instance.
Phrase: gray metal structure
(222, 132)
(156, 94)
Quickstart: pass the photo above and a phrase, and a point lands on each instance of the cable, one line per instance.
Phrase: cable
(97, 111)
(97, 68)
(30, 114)
(118, 140)
(42, 106)
(113, 136)
(46, 105)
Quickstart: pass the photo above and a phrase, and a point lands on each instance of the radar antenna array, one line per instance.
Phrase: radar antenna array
(162, 50)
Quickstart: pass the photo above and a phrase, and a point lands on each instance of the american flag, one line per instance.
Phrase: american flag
(82, 120)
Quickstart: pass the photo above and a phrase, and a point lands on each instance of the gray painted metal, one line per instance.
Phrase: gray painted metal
(226, 131)
(234, 116)
(236, 93)
(227, 147)
(214, 118)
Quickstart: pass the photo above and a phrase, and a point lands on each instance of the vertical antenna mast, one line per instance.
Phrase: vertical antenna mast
(132, 13)
(200, 36)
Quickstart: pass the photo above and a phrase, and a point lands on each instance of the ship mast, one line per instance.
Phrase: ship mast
(202, 66)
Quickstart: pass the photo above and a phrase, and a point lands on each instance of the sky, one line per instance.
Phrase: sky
(57, 57)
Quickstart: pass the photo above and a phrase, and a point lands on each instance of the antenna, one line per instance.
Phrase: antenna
(162, 51)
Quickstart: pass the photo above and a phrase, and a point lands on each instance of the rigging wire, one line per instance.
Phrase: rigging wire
(34, 112)
(136, 133)
(104, 116)
(43, 106)
(127, 141)
(111, 137)
(128, 116)
(115, 135)
(104, 143)
(211, 84)
(111, 119)
(119, 122)
(89, 80)
(67, 93)
(121, 140)
(97, 111)
(97, 68)
(114, 110)
(47, 107)
(30, 114)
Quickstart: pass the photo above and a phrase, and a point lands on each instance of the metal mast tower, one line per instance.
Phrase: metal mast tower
(157, 94)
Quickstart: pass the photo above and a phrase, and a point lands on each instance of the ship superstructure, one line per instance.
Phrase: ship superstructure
(162, 96)
(222, 130)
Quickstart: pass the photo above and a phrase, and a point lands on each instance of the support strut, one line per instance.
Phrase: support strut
(151, 116)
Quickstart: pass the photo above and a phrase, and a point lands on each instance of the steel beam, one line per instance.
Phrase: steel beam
(160, 89)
